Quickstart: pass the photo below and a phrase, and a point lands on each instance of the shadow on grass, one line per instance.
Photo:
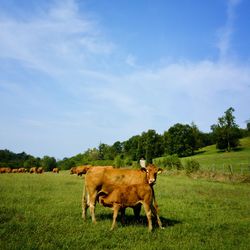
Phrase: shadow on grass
(199, 152)
(131, 220)
(237, 149)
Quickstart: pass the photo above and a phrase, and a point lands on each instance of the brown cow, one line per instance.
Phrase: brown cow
(55, 170)
(124, 196)
(21, 170)
(33, 170)
(73, 170)
(14, 170)
(97, 179)
(80, 170)
(39, 170)
(5, 170)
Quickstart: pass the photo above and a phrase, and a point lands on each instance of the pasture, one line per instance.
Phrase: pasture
(44, 212)
(213, 160)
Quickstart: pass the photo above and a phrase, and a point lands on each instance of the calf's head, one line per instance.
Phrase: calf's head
(151, 172)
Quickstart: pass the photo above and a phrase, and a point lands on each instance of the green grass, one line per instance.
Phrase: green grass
(212, 159)
(44, 212)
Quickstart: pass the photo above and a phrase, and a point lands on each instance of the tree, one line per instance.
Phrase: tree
(248, 125)
(130, 147)
(32, 162)
(48, 163)
(105, 152)
(150, 145)
(180, 140)
(226, 132)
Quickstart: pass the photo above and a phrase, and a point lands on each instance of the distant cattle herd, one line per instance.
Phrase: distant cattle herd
(32, 170)
(113, 187)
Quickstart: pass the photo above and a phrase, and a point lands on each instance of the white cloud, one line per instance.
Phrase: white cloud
(225, 33)
(54, 41)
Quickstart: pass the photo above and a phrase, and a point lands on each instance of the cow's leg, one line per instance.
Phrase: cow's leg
(148, 214)
(137, 211)
(84, 202)
(155, 213)
(116, 208)
(122, 215)
(92, 201)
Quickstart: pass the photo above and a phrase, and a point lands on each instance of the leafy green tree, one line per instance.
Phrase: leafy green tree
(248, 127)
(130, 147)
(105, 152)
(32, 162)
(48, 163)
(226, 132)
(66, 163)
(150, 145)
(116, 148)
(180, 140)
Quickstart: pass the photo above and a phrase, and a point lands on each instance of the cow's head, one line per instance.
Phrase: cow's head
(151, 172)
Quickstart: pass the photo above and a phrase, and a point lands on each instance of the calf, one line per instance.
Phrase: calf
(129, 196)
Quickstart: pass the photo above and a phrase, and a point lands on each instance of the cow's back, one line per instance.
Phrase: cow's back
(107, 177)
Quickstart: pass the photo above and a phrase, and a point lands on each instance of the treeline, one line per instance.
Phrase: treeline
(180, 139)
(13, 160)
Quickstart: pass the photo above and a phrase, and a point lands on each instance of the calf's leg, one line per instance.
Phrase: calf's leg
(116, 208)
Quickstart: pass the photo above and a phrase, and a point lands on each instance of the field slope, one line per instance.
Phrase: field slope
(44, 212)
(212, 159)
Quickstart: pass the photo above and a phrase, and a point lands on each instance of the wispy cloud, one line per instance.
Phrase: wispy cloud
(52, 41)
(225, 33)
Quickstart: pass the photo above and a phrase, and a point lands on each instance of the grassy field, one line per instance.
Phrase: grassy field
(44, 212)
(212, 159)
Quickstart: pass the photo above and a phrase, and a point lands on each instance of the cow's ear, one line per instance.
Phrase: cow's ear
(144, 169)
(160, 170)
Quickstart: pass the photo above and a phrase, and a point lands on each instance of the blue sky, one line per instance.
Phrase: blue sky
(77, 73)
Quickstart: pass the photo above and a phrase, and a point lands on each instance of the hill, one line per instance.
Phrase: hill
(212, 159)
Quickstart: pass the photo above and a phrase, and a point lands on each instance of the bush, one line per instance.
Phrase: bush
(170, 162)
(118, 161)
(101, 163)
(136, 165)
(192, 166)
(128, 161)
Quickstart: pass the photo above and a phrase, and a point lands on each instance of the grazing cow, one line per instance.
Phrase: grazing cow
(123, 196)
(21, 170)
(5, 170)
(14, 170)
(33, 170)
(80, 170)
(73, 170)
(39, 170)
(55, 170)
(97, 179)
